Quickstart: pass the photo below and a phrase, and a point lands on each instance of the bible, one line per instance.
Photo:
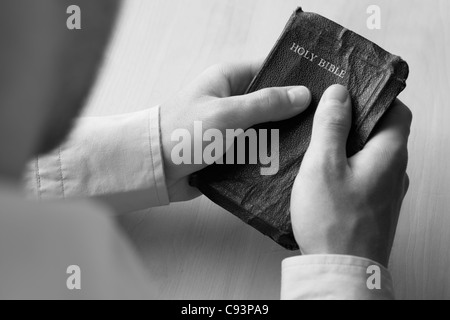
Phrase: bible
(314, 52)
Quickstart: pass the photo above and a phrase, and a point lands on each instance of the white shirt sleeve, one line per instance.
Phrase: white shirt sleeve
(333, 277)
(116, 158)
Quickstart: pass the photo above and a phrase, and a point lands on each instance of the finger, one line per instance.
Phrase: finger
(240, 75)
(267, 105)
(392, 133)
(234, 77)
(332, 123)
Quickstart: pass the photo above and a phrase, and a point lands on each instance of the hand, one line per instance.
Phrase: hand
(351, 206)
(216, 99)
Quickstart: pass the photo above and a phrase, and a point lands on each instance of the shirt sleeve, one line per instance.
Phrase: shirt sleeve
(334, 277)
(116, 158)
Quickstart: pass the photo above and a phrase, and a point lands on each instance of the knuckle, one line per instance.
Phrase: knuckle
(407, 183)
(267, 97)
(221, 111)
(332, 119)
(409, 115)
(221, 69)
(400, 155)
(404, 110)
(403, 113)
(320, 164)
(394, 159)
(214, 68)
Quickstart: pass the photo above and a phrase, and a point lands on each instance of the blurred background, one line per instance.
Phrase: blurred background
(197, 250)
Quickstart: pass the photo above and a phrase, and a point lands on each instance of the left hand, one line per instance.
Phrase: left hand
(351, 206)
(216, 99)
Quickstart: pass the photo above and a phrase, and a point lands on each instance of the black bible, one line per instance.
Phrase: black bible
(317, 53)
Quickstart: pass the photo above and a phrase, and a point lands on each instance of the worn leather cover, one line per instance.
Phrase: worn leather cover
(374, 78)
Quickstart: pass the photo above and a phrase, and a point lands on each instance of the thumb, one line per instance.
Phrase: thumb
(267, 105)
(332, 123)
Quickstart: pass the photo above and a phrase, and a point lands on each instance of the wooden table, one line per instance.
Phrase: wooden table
(198, 250)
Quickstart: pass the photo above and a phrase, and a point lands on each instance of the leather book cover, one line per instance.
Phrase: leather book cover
(317, 53)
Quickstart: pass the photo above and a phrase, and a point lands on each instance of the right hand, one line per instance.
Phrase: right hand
(351, 206)
(216, 98)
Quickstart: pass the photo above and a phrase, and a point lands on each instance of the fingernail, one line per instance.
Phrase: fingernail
(336, 92)
(300, 97)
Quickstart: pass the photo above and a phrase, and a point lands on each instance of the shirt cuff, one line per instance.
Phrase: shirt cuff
(334, 277)
(118, 155)
(159, 177)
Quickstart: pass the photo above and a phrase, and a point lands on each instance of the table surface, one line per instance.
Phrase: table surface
(197, 250)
